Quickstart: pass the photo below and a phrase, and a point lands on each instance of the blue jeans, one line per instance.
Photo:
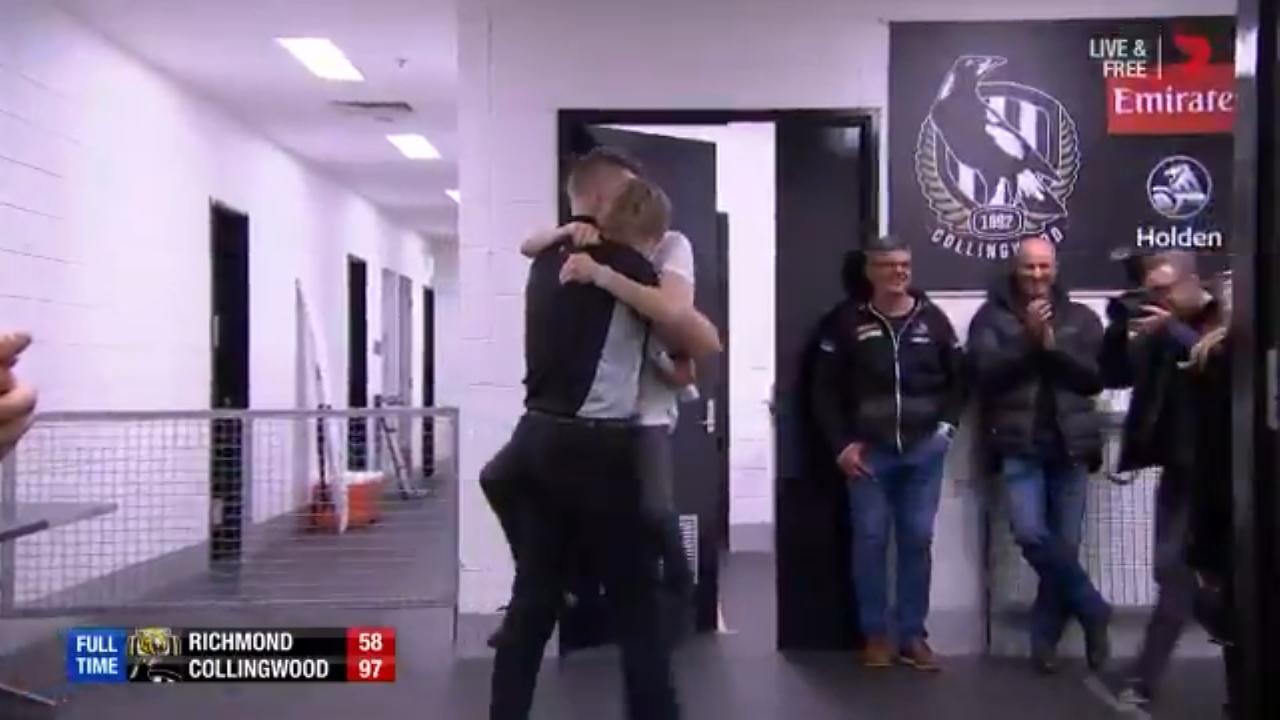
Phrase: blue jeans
(905, 490)
(1046, 511)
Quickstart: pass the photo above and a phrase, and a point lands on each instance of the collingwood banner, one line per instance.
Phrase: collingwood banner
(1095, 133)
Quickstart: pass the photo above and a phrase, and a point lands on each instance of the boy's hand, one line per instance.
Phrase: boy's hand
(581, 268)
(683, 372)
(580, 233)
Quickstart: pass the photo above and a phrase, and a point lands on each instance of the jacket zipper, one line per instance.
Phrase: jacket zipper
(897, 365)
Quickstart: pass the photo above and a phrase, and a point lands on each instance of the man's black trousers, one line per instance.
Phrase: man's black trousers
(583, 495)
(505, 477)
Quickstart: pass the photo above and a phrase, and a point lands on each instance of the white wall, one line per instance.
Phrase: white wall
(517, 70)
(106, 173)
(745, 172)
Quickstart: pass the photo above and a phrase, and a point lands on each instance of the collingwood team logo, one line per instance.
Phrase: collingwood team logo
(996, 161)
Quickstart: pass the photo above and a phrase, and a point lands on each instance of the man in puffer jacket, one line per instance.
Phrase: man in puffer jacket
(1034, 354)
(886, 394)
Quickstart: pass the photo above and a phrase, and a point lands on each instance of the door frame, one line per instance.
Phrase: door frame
(868, 119)
(1255, 260)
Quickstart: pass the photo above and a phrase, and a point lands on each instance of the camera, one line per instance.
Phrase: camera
(1133, 262)
(1132, 302)
(1128, 305)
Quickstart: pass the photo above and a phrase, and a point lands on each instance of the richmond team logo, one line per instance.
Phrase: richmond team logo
(997, 161)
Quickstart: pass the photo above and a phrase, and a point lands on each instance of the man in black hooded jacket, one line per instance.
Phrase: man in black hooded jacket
(1035, 362)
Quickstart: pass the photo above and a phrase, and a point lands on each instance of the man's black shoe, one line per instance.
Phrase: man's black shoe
(1044, 659)
(1097, 643)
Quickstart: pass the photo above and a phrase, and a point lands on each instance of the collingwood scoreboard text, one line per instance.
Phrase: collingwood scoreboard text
(166, 655)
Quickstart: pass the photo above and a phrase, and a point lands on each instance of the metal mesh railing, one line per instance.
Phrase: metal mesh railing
(1116, 541)
(228, 508)
(1116, 549)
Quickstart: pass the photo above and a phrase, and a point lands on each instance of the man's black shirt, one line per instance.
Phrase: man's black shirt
(582, 345)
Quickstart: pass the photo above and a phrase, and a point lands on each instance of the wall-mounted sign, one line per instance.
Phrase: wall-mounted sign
(1095, 133)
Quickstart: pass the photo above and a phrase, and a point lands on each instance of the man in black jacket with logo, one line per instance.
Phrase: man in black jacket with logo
(887, 393)
(1035, 360)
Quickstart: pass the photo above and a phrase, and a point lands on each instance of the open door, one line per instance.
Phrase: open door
(229, 343)
(686, 170)
(826, 205)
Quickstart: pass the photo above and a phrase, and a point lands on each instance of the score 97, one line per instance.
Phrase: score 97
(371, 655)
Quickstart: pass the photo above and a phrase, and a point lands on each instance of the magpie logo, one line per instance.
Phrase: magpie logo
(1179, 187)
(997, 161)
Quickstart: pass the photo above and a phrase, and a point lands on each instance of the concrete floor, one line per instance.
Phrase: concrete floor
(733, 676)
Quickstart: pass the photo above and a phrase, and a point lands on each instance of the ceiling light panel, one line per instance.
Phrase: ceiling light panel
(415, 147)
(323, 58)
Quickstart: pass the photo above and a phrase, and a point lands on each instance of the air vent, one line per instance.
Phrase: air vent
(381, 111)
(360, 106)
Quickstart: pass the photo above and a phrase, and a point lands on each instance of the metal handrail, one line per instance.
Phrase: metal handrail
(273, 414)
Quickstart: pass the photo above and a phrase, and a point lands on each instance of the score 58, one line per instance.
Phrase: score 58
(371, 654)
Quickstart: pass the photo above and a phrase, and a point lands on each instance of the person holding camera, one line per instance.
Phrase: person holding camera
(1150, 333)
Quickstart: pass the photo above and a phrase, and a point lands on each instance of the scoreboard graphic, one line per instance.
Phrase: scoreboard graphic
(227, 655)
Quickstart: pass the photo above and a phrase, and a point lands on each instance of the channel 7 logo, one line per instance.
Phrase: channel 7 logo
(1141, 57)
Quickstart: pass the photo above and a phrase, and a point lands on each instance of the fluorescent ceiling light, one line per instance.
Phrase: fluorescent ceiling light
(322, 58)
(455, 195)
(415, 147)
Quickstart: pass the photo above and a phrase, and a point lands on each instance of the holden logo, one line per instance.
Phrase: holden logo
(996, 161)
(1179, 187)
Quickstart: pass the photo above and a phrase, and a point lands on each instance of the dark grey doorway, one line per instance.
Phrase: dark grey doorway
(229, 343)
(826, 203)
(686, 170)
(826, 207)
(357, 361)
(428, 379)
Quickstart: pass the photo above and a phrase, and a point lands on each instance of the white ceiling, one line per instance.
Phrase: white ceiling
(226, 51)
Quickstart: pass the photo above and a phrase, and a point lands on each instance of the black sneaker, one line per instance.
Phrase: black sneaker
(1120, 694)
(1097, 643)
(1044, 659)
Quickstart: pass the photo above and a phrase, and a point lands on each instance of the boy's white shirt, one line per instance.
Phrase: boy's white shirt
(659, 401)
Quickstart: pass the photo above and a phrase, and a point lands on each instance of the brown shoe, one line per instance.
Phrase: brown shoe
(919, 655)
(877, 653)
